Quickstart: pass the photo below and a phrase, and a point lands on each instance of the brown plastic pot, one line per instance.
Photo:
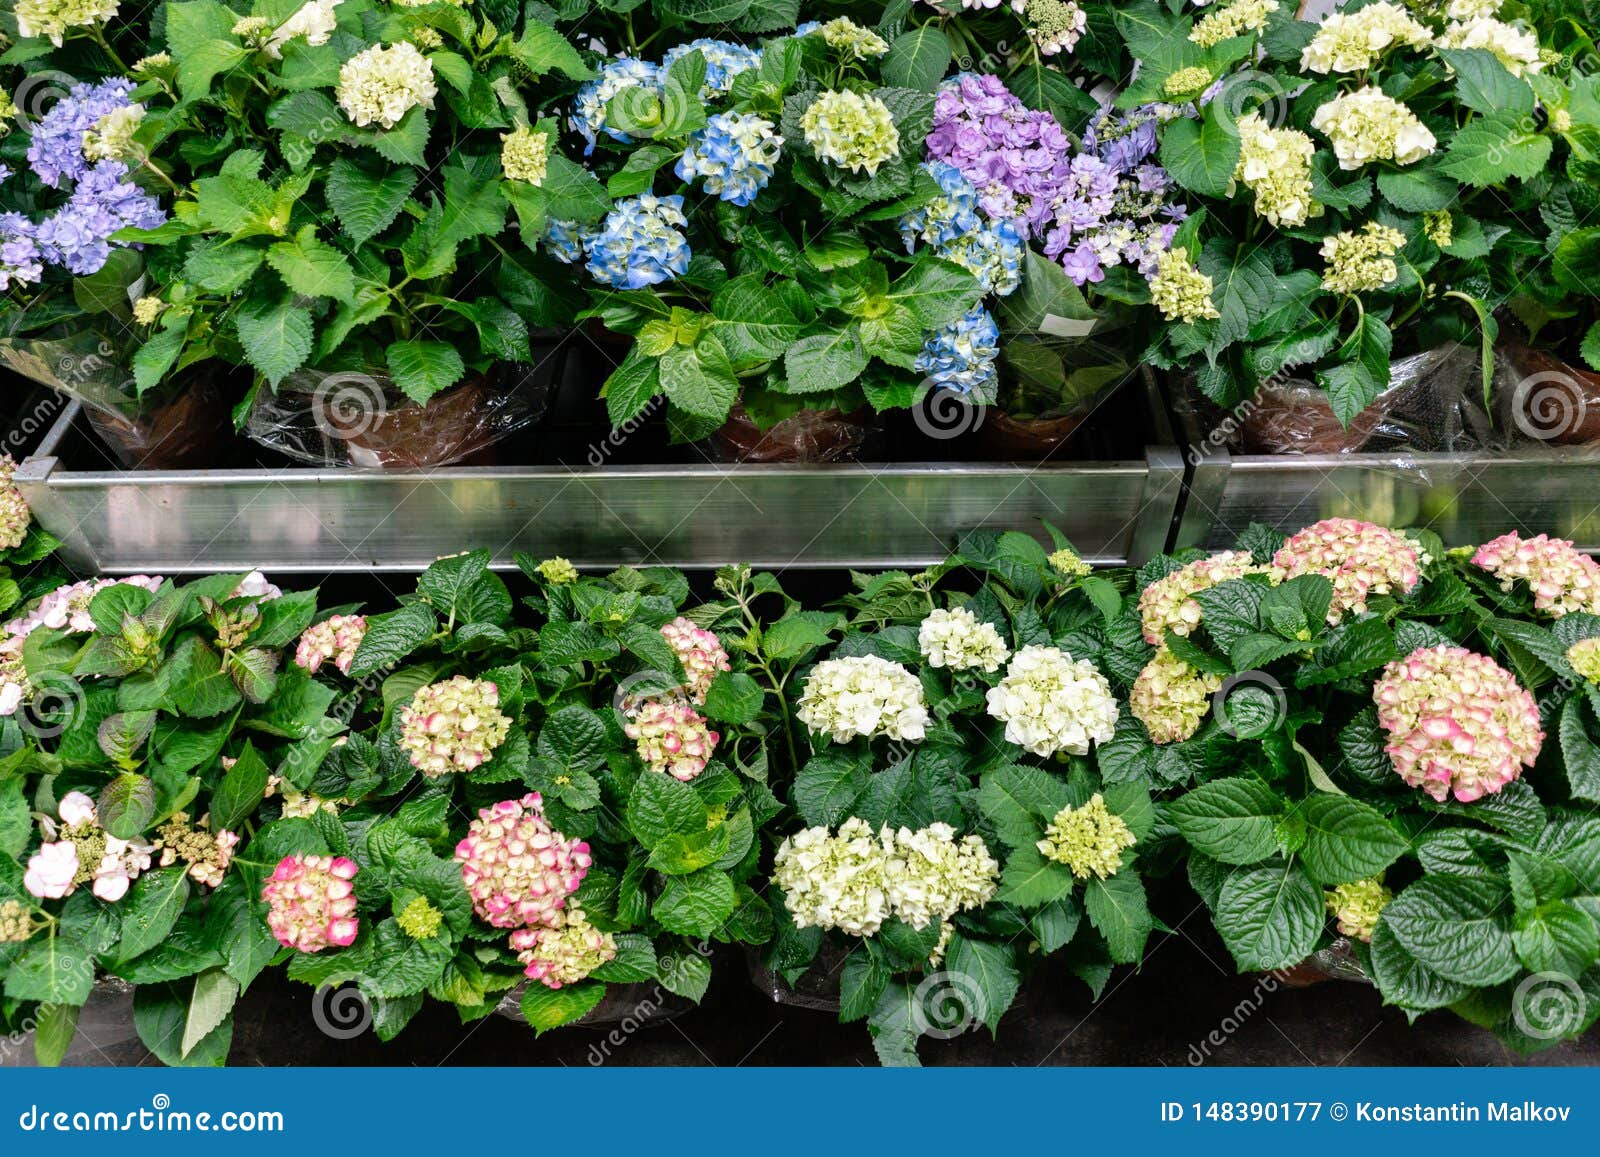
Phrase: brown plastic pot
(1551, 400)
(450, 428)
(1299, 419)
(1008, 439)
(810, 436)
(818, 987)
(189, 432)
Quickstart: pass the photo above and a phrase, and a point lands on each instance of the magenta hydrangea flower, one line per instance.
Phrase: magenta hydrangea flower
(1458, 722)
(1361, 558)
(335, 638)
(1561, 578)
(672, 737)
(700, 652)
(519, 870)
(311, 902)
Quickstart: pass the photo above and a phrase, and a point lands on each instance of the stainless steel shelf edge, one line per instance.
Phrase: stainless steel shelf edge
(772, 516)
(1464, 498)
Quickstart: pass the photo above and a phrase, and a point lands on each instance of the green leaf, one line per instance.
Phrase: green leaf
(1580, 756)
(826, 790)
(1405, 980)
(1201, 154)
(160, 1013)
(1347, 840)
(210, 1003)
(1031, 881)
(700, 381)
(367, 202)
(239, 794)
(1418, 188)
(1557, 937)
(51, 969)
(312, 267)
(276, 335)
(734, 697)
(1576, 264)
(1484, 84)
(57, 1025)
(1019, 800)
(1270, 917)
(861, 984)
(150, 909)
(685, 972)
(390, 637)
(895, 1025)
(917, 59)
(634, 962)
(548, 1008)
(991, 980)
(936, 291)
(127, 804)
(1118, 910)
(660, 806)
(825, 361)
(1363, 371)
(1488, 149)
(696, 905)
(1457, 927)
(1231, 820)
(422, 368)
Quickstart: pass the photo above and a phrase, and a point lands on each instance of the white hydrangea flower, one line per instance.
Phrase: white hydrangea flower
(313, 21)
(863, 695)
(1516, 48)
(834, 881)
(930, 875)
(382, 84)
(1369, 125)
(957, 640)
(1353, 41)
(1050, 702)
(1275, 165)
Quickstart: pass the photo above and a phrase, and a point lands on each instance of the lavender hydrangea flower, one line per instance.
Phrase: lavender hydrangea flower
(962, 356)
(724, 61)
(19, 259)
(56, 152)
(78, 235)
(641, 243)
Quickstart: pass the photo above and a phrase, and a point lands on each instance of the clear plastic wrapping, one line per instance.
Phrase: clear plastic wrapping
(165, 429)
(1541, 400)
(350, 419)
(809, 436)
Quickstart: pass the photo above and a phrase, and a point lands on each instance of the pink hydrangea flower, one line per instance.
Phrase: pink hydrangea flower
(453, 726)
(334, 638)
(52, 870)
(699, 651)
(1168, 603)
(672, 737)
(311, 902)
(519, 870)
(1457, 722)
(564, 954)
(255, 586)
(1361, 558)
(1563, 580)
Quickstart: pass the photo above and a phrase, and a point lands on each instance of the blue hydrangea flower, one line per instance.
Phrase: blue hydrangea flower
(952, 223)
(56, 152)
(724, 61)
(807, 28)
(734, 154)
(20, 263)
(962, 356)
(563, 240)
(77, 235)
(588, 115)
(641, 243)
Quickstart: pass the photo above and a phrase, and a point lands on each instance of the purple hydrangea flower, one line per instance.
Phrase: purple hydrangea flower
(56, 152)
(77, 235)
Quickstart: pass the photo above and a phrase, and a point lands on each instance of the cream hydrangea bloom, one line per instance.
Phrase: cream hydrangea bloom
(1179, 290)
(1353, 41)
(834, 881)
(863, 695)
(929, 875)
(1275, 165)
(852, 40)
(525, 155)
(1516, 48)
(957, 640)
(1356, 906)
(52, 18)
(382, 84)
(1232, 20)
(1369, 125)
(1361, 262)
(314, 22)
(1089, 839)
(1168, 603)
(111, 137)
(1171, 698)
(1051, 702)
(853, 131)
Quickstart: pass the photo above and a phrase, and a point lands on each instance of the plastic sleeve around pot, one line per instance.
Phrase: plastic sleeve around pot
(359, 419)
